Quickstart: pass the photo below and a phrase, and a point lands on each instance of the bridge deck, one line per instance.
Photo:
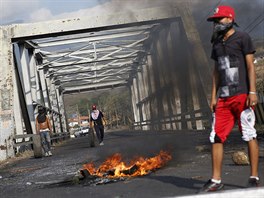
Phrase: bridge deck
(183, 175)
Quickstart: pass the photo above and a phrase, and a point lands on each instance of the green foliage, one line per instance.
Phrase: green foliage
(116, 106)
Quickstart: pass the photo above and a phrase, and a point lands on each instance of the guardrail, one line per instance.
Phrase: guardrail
(27, 140)
(202, 115)
(190, 117)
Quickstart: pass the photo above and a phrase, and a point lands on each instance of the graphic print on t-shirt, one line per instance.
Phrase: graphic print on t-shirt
(95, 114)
(229, 75)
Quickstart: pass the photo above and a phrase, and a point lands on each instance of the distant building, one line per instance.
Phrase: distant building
(81, 121)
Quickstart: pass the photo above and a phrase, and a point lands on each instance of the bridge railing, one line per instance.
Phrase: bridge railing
(185, 120)
(188, 120)
(26, 141)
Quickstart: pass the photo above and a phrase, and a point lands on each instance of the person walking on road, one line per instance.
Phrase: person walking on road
(44, 129)
(97, 121)
(234, 93)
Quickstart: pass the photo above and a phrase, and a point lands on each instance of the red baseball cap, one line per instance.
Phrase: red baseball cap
(94, 107)
(221, 12)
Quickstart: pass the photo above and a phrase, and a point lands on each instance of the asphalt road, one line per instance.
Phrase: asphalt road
(184, 175)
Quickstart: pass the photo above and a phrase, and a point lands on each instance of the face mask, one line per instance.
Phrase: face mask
(220, 29)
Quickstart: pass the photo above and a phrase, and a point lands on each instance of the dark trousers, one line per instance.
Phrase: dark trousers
(99, 129)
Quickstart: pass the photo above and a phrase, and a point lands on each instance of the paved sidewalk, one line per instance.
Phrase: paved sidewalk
(184, 175)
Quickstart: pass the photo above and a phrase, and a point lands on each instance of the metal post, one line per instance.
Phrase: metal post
(23, 68)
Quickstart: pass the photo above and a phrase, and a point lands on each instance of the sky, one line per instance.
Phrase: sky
(249, 12)
(38, 10)
(17, 11)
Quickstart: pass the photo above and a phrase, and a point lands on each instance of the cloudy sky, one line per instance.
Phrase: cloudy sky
(13, 11)
(250, 13)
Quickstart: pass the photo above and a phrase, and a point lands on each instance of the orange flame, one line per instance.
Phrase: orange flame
(114, 167)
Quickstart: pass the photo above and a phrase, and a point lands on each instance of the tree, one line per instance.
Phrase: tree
(116, 106)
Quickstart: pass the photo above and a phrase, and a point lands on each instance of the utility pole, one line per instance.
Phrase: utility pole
(88, 112)
(78, 114)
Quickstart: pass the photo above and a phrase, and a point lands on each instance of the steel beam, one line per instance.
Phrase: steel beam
(95, 86)
(91, 24)
(24, 57)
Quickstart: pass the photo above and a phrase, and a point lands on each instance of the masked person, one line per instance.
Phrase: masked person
(97, 121)
(233, 93)
(44, 129)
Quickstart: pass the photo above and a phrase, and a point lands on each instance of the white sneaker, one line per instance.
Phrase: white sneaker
(46, 154)
(50, 154)
(101, 144)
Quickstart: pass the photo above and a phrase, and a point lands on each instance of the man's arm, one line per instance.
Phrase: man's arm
(215, 85)
(104, 121)
(252, 99)
(91, 122)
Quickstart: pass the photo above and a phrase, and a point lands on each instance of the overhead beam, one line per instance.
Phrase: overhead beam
(95, 86)
(46, 54)
(90, 39)
(91, 69)
(70, 64)
(91, 24)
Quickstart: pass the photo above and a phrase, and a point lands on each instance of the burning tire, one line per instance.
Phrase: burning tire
(37, 147)
(91, 137)
(115, 169)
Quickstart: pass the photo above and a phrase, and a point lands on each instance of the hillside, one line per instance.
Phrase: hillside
(259, 65)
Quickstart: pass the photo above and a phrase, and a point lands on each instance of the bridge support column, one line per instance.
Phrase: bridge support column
(55, 106)
(7, 125)
(173, 39)
(62, 112)
(44, 88)
(51, 99)
(145, 91)
(134, 93)
(25, 78)
(141, 104)
(200, 71)
(151, 89)
(197, 50)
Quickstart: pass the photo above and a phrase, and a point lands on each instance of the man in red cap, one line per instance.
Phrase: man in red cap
(97, 121)
(233, 93)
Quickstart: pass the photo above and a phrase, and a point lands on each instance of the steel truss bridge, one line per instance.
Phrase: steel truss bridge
(156, 53)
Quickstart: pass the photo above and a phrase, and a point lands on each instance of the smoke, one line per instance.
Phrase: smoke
(247, 13)
(248, 16)
(147, 144)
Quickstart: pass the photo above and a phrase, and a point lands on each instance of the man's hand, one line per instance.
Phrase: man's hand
(213, 104)
(252, 100)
